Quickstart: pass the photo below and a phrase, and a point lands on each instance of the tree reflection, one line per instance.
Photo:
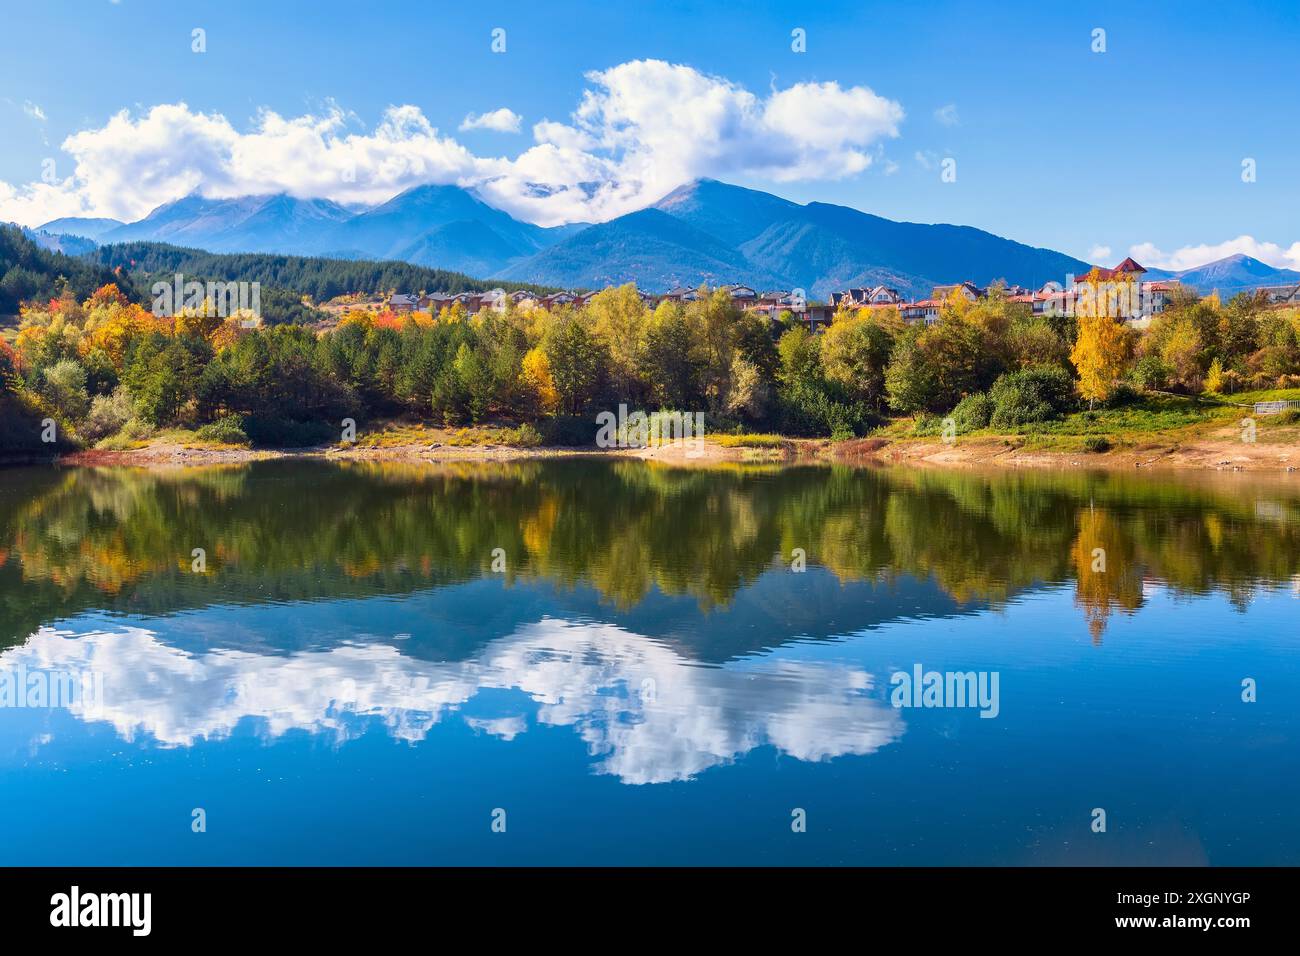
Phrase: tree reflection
(121, 539)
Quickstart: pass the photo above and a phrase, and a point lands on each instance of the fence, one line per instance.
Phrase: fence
(1274, 408)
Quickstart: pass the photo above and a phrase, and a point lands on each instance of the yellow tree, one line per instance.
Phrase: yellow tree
(620, 318)
(1100, 352)
(536, 375)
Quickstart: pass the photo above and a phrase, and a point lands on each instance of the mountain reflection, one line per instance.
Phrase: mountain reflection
(646, 714)
(120, 540)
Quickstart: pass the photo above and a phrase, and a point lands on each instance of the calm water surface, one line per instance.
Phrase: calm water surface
(350, 681)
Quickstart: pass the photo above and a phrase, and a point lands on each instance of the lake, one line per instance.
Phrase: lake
(612, 662)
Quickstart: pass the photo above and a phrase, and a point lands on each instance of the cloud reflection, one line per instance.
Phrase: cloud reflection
(646, 714)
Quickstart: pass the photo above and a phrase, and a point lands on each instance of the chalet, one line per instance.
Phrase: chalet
(557, 299)
(524, 300)
(925, 311)
(857, 298)
(739, 293)
(1119, 292)
(1128, 270)
(968, 289)
(493, 300)
(774, 302)
(401, 302)
(680, 294)
(817, 317)
(1281, 294)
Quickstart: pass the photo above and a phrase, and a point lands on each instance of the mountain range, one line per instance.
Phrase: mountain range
(703, 231)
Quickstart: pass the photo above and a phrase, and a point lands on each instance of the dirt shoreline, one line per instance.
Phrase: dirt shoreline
(1204, 454)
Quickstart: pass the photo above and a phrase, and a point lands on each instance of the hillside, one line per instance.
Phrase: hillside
(319, 277)
(28, 271)
(649, 247)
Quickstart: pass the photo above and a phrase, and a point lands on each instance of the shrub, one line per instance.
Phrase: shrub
(569, 431)
(1231, 382)
(137, 429)
(22, 426)
(228, 430)
(927, 425)
(1151, 372)
(807, 410)
(1036, 394)
(1125, 395)
(973, 412)
(525, 436)
(270, 432)
(108, 415)
(64, 387)
(1096, 444)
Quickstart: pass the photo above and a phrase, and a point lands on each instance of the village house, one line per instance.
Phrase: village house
(1281, 294)
(1120, 292)
(925, 311)
(740, 293)
(400, 302)
(557, 299)
(865, 297)
(680, 294)
(968, 289)
(494, 300)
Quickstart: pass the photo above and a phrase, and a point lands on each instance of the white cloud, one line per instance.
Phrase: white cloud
(947, 115)
(1099, 254)
(34, 111)
(1189, 257)
(639, 130)
(926, 159)
(501, 121)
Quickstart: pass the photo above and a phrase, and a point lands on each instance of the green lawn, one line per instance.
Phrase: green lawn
(1154, 419)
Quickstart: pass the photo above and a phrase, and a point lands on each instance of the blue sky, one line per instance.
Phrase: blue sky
(1140, 146)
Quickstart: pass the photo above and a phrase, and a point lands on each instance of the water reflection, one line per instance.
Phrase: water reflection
(646, 714)
(350, 639)
(121, 539)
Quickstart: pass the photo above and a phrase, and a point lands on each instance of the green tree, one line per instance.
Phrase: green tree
(577, 363)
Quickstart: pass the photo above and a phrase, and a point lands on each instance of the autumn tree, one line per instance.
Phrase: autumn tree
(1099, 355)
(619, 318)
(577, 363)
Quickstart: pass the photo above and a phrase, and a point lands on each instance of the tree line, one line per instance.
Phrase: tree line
(318, 277)
(106, 367)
